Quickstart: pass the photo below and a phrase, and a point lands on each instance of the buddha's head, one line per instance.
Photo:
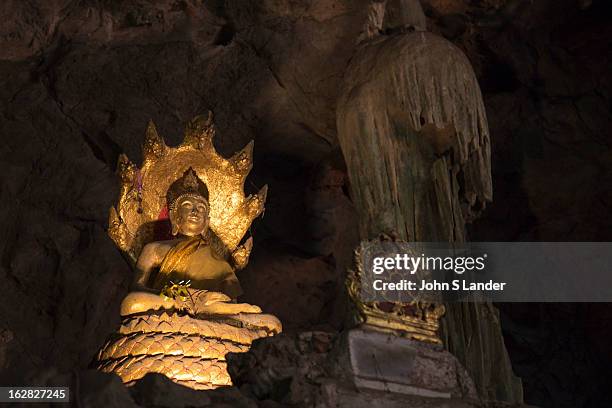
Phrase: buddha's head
(188, 205)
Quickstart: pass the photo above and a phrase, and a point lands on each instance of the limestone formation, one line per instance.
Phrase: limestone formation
(413, 130)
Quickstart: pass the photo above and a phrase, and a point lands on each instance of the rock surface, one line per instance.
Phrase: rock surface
(282, 371)
(384, 362)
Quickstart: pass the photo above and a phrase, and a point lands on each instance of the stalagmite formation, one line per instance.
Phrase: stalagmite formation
(412, 104)
(413, 130)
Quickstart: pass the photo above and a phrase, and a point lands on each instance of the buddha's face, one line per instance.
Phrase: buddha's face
(190, 216)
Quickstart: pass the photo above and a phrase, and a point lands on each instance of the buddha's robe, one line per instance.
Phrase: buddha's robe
(193, 260)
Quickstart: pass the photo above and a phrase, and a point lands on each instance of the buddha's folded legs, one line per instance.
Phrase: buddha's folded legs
(199, 302)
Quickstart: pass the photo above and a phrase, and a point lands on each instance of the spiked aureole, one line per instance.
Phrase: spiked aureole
(199, 132)
(242, 253)
(154, 146)
(118, 232)
(243, 160)
(113, 218)
(126, 169)
(127, 173)
(143, 191)
(255, 203)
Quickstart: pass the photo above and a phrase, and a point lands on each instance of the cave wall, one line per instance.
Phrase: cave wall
(544, 72)
(80, 80)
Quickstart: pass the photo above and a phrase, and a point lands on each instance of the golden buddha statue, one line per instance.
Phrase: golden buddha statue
(181, 317)
(196, 256)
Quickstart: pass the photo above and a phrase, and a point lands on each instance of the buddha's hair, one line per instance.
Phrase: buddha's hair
(189, 185)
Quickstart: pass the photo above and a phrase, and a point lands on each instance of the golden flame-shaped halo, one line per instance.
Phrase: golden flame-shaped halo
(143, 191)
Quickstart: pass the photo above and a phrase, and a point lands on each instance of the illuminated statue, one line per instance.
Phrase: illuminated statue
(181, 318)
(196, 256)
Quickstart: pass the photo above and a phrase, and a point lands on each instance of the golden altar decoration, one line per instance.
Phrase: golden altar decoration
(184, 328)
(418, 320)
(143, 191)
